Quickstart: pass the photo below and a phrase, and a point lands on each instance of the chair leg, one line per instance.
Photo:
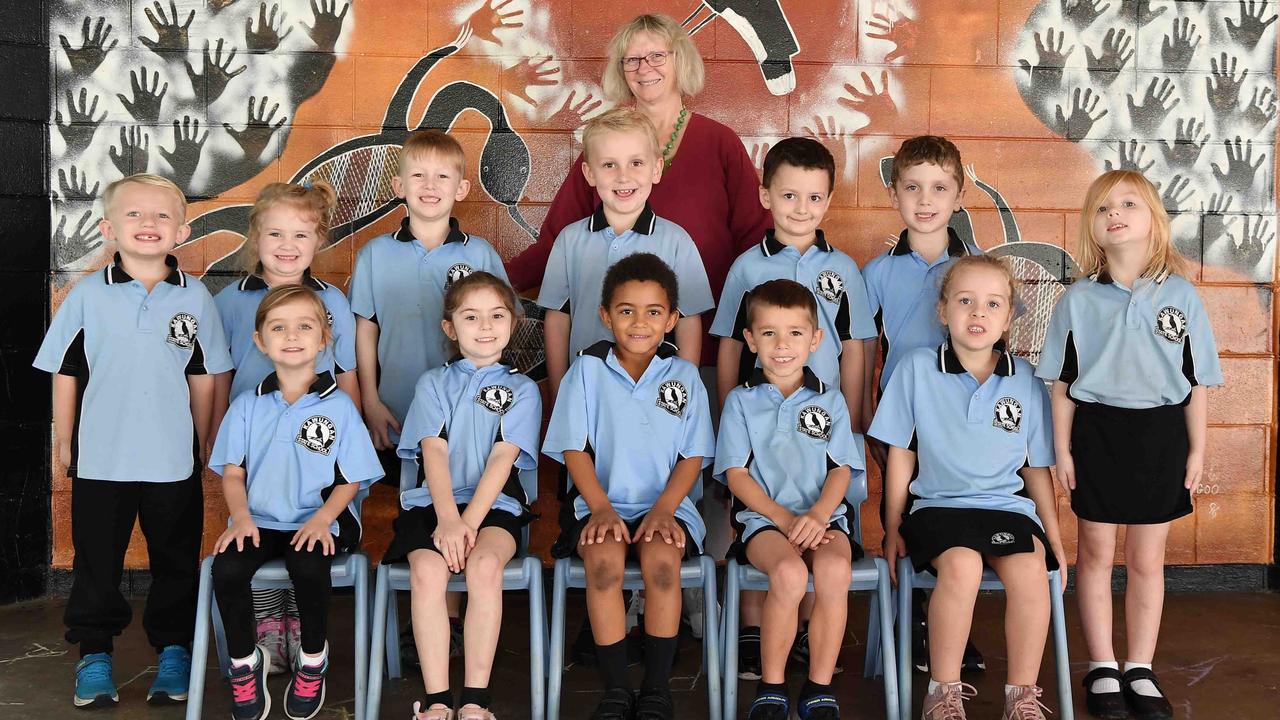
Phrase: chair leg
(360, 566)
(555, 659)
(219, 632)
(1062, 664)
(200, 642)
(537, 639)
(391, 635)
(710, 643)
(378, 649)
(905, 576)
(871, 661)
(883, 600)
(732, 609)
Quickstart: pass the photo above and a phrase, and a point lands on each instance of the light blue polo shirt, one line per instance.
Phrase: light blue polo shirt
(471, 409)
(132, 351)
(586, 249)
(635, 432)
(788, 445)
(1139, 348)
(295, 454)
(971, 439)
(902, 289)
(400, 285)
(843, 309)
(238, 307)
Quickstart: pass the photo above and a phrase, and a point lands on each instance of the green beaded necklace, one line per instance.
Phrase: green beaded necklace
(666, 151)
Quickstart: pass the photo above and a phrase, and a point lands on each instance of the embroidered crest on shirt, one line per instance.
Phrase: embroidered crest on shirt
(182, 330)
(1002, 538)
(328, 316)
(814, 421)
(1171, 324)
(1008, 415)
(673, 397)
(456, 272)
(317, 434)
(829, 285)
(496, 398)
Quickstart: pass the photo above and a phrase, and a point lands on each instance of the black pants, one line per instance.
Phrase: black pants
(102, 517)
(308, 570)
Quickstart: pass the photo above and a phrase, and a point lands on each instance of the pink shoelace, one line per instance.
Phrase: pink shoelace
(244, 689)
(306, 685)
(1028, 705)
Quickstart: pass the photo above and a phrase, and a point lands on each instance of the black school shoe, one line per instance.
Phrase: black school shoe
(1145, 707)
(617, 704)
(1110, 705)
(655, 705)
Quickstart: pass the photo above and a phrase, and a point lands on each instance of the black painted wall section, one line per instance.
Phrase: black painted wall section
(24, 298)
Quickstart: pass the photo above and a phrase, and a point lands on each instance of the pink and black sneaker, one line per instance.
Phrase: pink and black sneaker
(249, 697)
(305, 695)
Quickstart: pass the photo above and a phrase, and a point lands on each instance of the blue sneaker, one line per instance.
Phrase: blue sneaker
(174, 672)
(94, 686)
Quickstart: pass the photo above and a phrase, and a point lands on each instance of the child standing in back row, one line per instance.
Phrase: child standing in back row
(1131, 352)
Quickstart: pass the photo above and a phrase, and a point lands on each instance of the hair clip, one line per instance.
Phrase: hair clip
(307, 184)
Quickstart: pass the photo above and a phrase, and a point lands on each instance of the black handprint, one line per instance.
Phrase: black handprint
(1146, 118)
(1215, 222)
(1179, 46)
(81, 242)
(187, 144)
(1082, 13)
(1111, 58)
(81, 124)
(327, 25)
(1176, 194)
(1222, 86)
(1080, 122)
(1240, 166)
(170, 34)
(77, 188)
(145, 106)
(258, 128)
(267, 37)
(1261, 109)
(217, 72)
(93, 48)
(1046, 76)
(1131, 157)
(1251, 27)
(1253, 243)
(1139, 11)
(135, 146)
(1187, 143)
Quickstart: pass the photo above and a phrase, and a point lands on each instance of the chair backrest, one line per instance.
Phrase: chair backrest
(857, 492)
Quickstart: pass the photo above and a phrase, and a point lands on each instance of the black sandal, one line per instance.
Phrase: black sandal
(617, 704)
(1145, 707)
(1110, 705)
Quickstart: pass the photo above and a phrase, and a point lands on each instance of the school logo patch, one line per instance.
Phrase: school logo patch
(457, 272)
(328, 316)
(182, 330)
(1002, 538)
(496, 398)
(829, 285)
(814, 421)
(317, 434)
(1171, 324)
(1008, 415)
(673, 397)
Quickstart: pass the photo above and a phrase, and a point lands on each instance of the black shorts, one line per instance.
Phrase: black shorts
(929, 532)
(571, 529)
(390, 463)
(413, 528)
(738, 550)
(1131, 465)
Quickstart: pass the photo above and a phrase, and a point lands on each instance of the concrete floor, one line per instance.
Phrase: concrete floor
(1220, 658)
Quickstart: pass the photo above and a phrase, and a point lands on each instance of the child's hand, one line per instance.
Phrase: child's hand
(1195, 470)
(64, 454)
(894, 548)
(1061, 556)
(662, 523)
(455, 540)
(378, 418)
(600, 525)
(806, 531)
(315, 530)
(879, 452)
(1065, 467)
(239, 530)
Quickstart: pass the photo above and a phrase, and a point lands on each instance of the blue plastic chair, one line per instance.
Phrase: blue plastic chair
(908, 579)
(695, 572)
(348, 570)
(521, 573)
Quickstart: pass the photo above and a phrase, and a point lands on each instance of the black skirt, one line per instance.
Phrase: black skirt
(1131, 465)
(929, 532)
(413, 528)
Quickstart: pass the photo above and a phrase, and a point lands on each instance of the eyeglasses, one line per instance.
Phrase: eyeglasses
(655, 59)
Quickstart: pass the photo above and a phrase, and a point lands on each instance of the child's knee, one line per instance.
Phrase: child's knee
(229, 571)
(959, 565)
(789, 580)
(428, 573)
(831, 571)
(484, 570)
(661, 571)
(604, 573)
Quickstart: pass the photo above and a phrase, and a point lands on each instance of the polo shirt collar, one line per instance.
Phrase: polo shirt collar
(949, 362)
(323, 386)
(461, 363)
(955, 246)
(644, 224)
(1103, 277)
(255, 282)
(405, 235)
(771, 245)
(116, 275)
(666, 350)
(810, 381)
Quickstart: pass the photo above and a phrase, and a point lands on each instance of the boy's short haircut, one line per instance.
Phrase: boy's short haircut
(426, 142)
(150, 179)
(781, 293)
(800, 152)
(621, 119)
(928, 149)
(640, 267)
(282, 294)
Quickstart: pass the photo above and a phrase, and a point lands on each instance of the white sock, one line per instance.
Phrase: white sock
(250, 662)
(933, 685)
(313, 661)
(1105, 685)
(1145, 688)
(1010, 690)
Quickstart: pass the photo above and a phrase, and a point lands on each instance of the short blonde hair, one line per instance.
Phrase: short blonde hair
(1165, 258)
(427, 142)
(687, 61)
(149, 179)
(619, 119)
(284, 294)
(318, 198)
